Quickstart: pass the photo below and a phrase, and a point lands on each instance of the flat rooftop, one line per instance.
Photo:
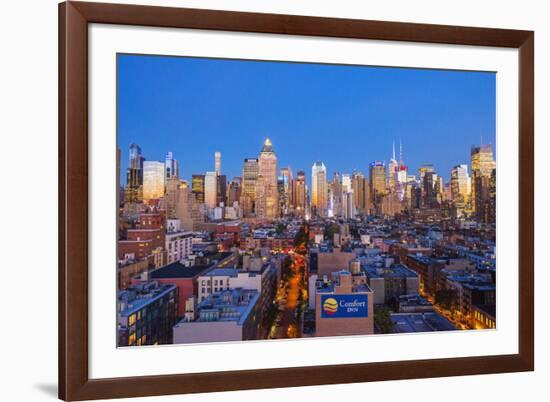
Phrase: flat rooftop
(178, 270)
(419, 322)
(395, 271)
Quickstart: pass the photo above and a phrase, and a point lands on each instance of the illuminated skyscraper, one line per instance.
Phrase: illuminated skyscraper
(153, 180)
(248, 191)
(377, 181)
(361, 192)
(336, 191)
(197, 187)
(299, 193)
(430, 190)
(218, 163)
(170, 165)
(460, 193)
(234, 191)
(319, 190)
(392, 171)
(482, 165)
(267, 196)
(211, 189)
(286, 193)
(422, 170)
(134, 175)
(482, 160)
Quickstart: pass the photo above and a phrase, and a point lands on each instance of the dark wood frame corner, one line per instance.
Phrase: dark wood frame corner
(74, 382)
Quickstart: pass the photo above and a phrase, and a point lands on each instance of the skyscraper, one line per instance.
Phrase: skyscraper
(360, 192)
(336, 191)
(429, 190)
(482, 165)
(248, 190)
(197, 187)
(267, 196)
(222, 189)
(460, 193)
(286, 201)
(170, 166)
(134, 175)
(319, 190)
(377, 182)
(211, 189)
(392, 171)
(218, 162)
(234, 191)
(153, 180)
(299, 190)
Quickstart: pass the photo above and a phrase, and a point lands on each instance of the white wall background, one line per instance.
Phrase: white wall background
(28, 196)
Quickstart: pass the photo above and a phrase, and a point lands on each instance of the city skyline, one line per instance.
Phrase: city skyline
(361, 206)
(466, 100)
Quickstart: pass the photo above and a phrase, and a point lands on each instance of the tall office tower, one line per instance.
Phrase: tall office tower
(492, 197)
(430, 190)
(377, 182)
(285, 196)
(211, 189)
(319, 190)
(234, 191)
(336, 190)
(346, 183)
(361, 192)
(197, 187)
(448, 191)
(348, 205)
(248, 191)
(393, 167)
(171, 166)
(459, 185)
(186, 207)
(153, 180)
(172, 186)
(482, 165)
(299, 193)
(218, 162)
(267, 201)
(134, 175)
(221, 185)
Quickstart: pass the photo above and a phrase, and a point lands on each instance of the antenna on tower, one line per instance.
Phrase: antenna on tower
(400, 153)
(393, 150)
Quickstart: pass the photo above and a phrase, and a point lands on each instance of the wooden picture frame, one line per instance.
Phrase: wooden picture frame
(74, 381)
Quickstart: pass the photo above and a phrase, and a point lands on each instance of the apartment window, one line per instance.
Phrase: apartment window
(132, 320)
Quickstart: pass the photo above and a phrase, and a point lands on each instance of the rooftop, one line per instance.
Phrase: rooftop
(178, 270)
(136, 297)
(395, 271)
(419, 322)
(227, 305)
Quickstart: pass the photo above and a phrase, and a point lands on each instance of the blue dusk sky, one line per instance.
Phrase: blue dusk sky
(345, 116)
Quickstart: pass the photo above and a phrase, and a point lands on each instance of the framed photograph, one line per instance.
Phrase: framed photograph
(260, 200)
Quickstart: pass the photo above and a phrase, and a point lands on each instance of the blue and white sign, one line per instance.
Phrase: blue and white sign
(344, 306)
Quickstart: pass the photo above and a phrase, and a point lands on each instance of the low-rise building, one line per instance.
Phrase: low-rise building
(146, 314)
(344, 305)
(178, 245)
(419, 322)
(129, 268)
(185, 278)
(389, 283)
(228, 315)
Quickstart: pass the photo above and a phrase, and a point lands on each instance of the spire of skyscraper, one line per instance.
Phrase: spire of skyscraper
(400, 153)
(393, 150)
